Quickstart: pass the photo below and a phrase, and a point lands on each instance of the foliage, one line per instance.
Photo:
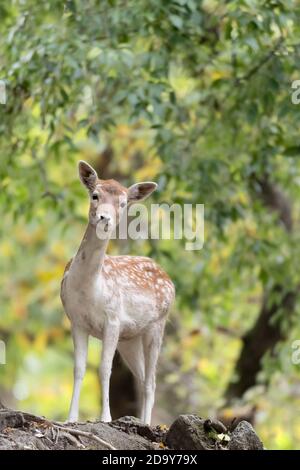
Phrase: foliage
(194, 94)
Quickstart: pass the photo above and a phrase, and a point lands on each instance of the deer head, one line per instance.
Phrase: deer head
(109, 199)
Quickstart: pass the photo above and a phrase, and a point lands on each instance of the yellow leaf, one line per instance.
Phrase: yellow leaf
(163, 427)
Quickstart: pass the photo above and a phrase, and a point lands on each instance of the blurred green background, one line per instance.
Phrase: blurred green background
(195, 95)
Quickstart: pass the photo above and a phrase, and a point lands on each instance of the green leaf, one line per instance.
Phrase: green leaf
(176, 21)
(293, 151)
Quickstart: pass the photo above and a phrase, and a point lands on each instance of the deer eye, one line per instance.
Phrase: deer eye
(95, 197)
(123, 204)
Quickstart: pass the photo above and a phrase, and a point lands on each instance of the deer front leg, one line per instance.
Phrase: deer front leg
(80, 340)
(109, 346)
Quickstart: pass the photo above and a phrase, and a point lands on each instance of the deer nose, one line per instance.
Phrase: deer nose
(104, 218)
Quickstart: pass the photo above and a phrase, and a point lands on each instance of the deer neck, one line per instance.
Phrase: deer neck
(90, 256)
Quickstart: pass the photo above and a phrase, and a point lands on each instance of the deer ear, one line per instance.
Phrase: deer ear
(87, 175)
(140, 191)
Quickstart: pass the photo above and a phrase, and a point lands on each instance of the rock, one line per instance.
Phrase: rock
(244, 438)
(133, 425)
(119, 438)
(25, 431)
(19, 430)
(188, 433)
(214, 424)
(10, 419)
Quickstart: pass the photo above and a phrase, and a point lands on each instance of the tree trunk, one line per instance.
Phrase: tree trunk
(267, 331)
(262, 338)
(123, 394)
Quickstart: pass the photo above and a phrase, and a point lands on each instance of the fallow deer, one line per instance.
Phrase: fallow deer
(121, 300)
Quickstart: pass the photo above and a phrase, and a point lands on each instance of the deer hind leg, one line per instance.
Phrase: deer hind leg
(152, 340)
(80, 340)
(132, 353)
